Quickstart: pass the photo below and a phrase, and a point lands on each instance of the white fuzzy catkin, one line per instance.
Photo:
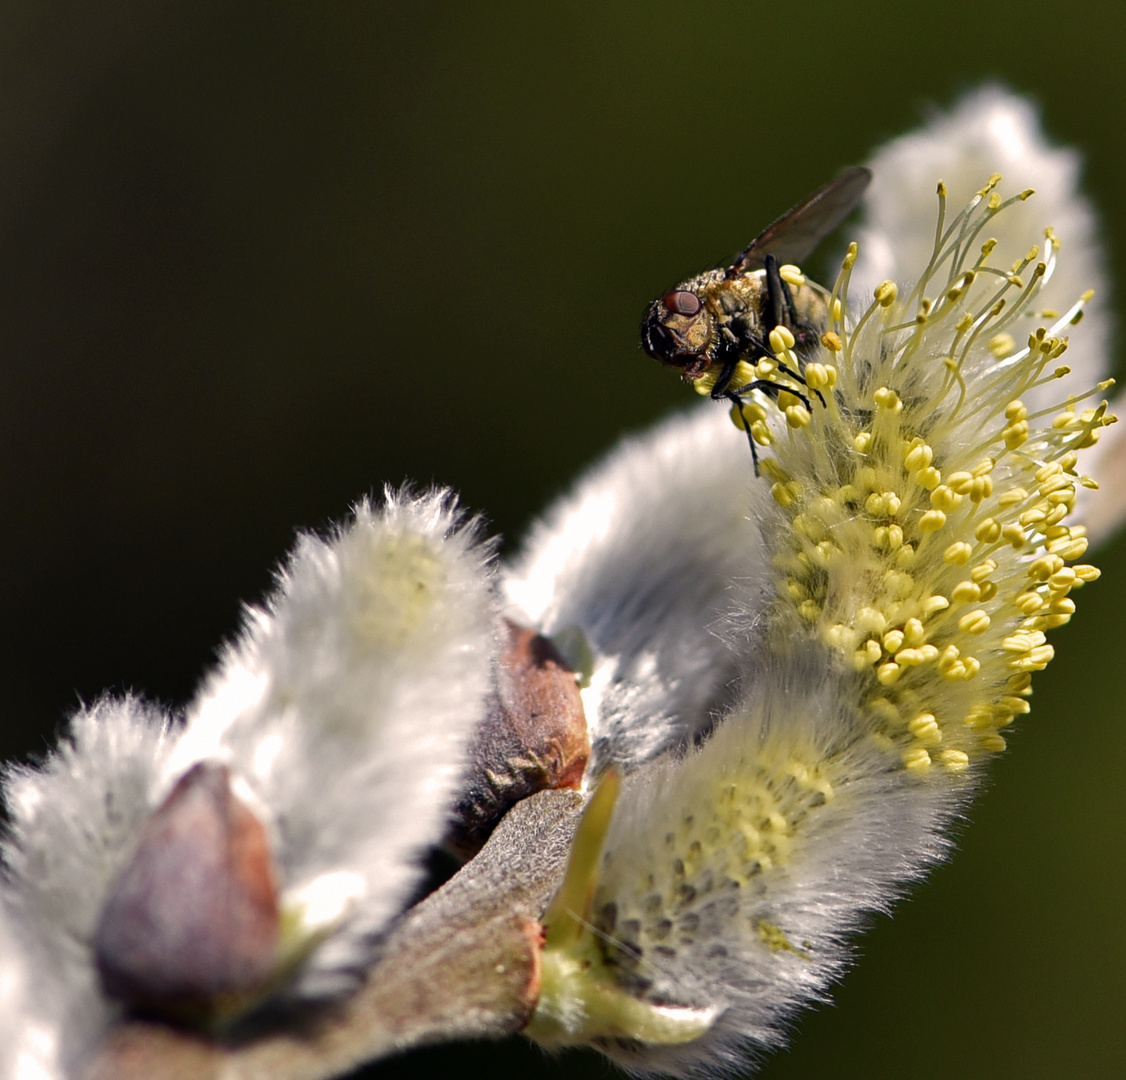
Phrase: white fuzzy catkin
(345, 709)
(642, 557)
(73, 824)
(925, 544)
(683, 931)
(343, 712)
(991, 129)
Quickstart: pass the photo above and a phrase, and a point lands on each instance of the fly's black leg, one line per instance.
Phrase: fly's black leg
(737, 402)
(772, 389)
(726, 375)
(779, 302)
(736, 398)
(780, 311)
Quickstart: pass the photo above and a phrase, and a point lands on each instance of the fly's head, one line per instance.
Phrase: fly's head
(679, 329)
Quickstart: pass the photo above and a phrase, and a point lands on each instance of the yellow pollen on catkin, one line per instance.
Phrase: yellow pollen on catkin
(927, 533)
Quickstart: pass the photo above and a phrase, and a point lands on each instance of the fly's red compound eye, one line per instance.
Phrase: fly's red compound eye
(681, 302)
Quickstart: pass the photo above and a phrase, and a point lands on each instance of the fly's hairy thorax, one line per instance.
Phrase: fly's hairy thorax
(737, 313)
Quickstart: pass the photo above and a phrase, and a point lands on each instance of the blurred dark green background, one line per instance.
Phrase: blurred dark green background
(258, 259)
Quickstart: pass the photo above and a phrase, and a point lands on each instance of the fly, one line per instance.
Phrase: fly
(711, 322)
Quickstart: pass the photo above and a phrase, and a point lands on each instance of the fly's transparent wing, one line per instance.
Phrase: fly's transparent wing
(795, 235)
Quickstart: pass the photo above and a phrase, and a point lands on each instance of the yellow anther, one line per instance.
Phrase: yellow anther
(924, 654)
(1015, 434)
(949, 658)
(944, 497)
(766, 367)
(782, 494)
(960, 482)
(958, 553)
(1044, 567)
(1073, 549)
(1054, 483)
(932, 521)
(1038, 659)
(913, 632)
(1064, 579)
(984, 467)
(816, 376)
(781, 339)
(1020, 684)
(862, 442)
(966, 592)
(983, 569)
(955, 761)
(893, 641)
(1050, 622)
(1014, 534)
(972, 665)
(928, 478)
(981, 488)
(791, 275)
(836, 312)
(797, 416)
(887, 673)
(988, 532)
(974, 622)
(1015, 411)
(1028, 603)
(934, 604)
(832, 341)
(1023, 641)
(979, 716)
(887, 398)
(885, 293)
(994, 743)
(917, 760)
(925, 728)
(918, 456)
